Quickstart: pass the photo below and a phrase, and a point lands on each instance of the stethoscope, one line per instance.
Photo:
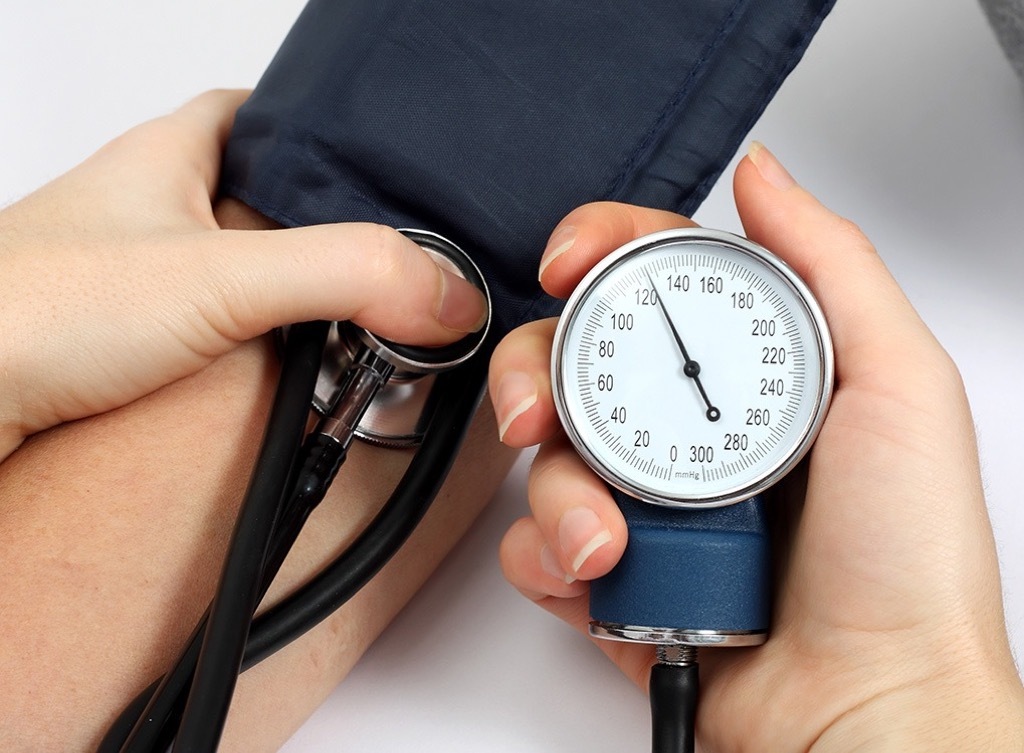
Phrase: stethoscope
(360, 385)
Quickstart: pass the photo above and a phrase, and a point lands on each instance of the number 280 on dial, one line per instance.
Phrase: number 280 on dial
(692, 368)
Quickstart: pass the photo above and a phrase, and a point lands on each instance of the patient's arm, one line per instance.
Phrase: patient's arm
(113, 527)
(113, 530)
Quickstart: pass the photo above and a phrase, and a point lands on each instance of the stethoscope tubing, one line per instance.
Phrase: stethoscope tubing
(148, 723)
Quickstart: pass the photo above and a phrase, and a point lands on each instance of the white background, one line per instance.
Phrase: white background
(903, 116)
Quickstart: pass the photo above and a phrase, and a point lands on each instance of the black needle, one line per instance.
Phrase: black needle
(690, 367)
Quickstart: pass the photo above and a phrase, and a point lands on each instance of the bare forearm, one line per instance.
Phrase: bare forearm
(964, 714)
(112, 531)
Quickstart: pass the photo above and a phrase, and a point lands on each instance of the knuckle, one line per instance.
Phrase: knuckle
(948, 373)
(388, 255)
(509, 548)
(850, 233)
(548, 468)
(213, 95)
(509, 354)
(151, 134)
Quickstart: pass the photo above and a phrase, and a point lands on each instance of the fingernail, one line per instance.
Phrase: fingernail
(463, 307)
(770, 167)
(516, 394)
(580, 534)
(549, 563)
(559, 242)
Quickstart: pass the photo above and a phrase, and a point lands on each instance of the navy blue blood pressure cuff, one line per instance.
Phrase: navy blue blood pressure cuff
(489, 120)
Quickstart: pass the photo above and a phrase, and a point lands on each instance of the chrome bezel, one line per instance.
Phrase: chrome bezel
(423, 360)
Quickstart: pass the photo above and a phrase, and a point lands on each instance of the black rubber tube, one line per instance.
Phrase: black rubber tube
(239, 591)
(458, 393)
(454, 402)
(674, 690)
(148, 723)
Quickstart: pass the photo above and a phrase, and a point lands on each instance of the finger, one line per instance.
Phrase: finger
(253, 281)
(860, 298)
(575, 512)
(160, 173)
(205, 122)
(591, 232)
(530, 564)
(520, 385)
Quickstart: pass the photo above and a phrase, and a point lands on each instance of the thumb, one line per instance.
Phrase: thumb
(370, 274)
(876, 331)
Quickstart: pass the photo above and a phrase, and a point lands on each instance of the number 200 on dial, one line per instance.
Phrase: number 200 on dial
(692, 368)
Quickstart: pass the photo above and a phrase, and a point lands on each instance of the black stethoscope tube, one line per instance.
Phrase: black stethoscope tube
(271, 477)
(158, 708)
(461, 392)
(239, 591)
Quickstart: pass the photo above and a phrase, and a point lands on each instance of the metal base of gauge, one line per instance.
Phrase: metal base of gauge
(672, 637)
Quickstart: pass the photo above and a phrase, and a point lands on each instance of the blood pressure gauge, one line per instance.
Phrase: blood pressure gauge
(692, 368)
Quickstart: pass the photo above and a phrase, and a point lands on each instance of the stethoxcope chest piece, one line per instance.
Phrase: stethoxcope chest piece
(396, 415)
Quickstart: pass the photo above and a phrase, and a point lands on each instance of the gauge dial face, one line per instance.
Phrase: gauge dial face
(692, 368)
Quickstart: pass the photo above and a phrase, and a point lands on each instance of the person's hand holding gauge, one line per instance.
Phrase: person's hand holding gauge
(887, 629)
(633, 403)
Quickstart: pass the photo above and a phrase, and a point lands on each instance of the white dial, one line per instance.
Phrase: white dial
(692, 368)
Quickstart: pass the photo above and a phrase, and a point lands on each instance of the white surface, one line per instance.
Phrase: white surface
(903, 116)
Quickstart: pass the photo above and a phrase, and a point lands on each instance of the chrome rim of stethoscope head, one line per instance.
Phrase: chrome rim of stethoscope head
(416, 359)
(396, 416)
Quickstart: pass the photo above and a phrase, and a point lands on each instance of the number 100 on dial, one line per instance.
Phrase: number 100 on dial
(692, 368)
